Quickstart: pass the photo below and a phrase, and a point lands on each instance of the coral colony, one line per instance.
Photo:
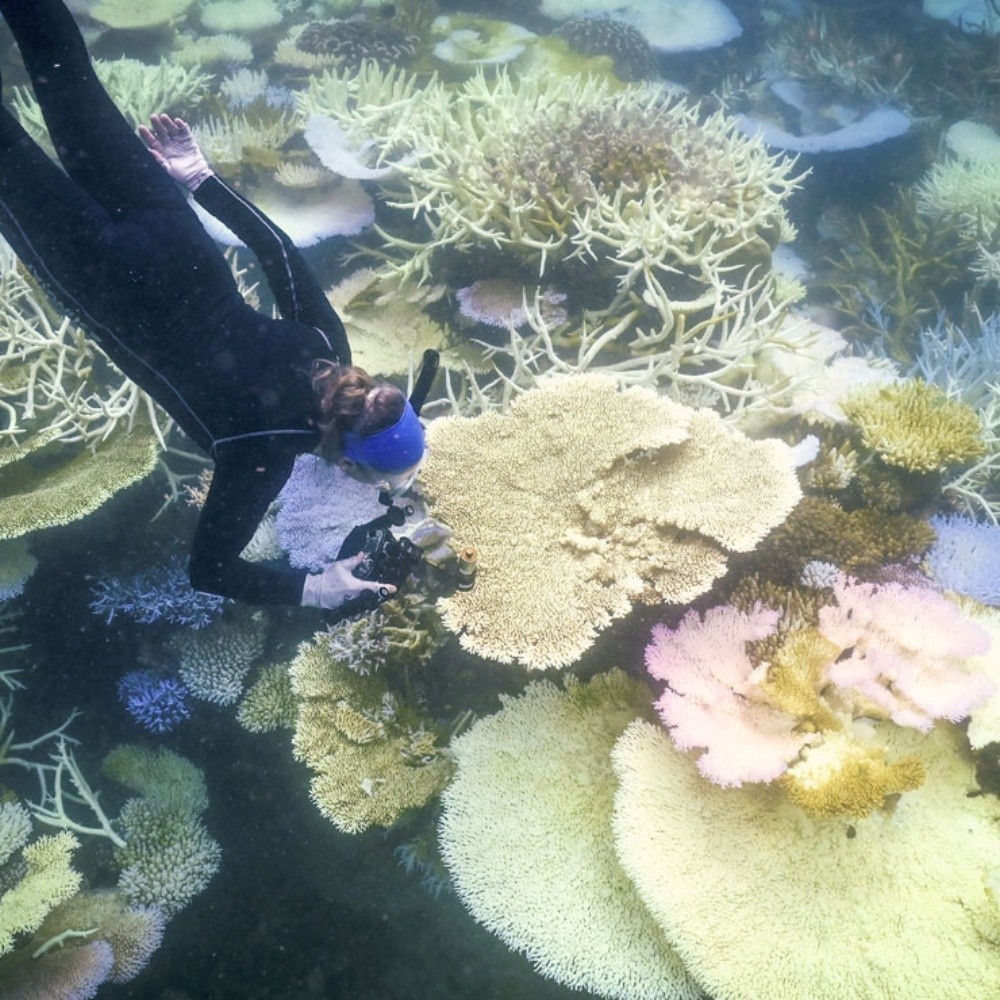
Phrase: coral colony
(158, 704)
(161, 593)
(655, 395)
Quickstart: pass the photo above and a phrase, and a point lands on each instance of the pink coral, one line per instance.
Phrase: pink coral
(712, 698)
(904, 650)
(72, 973)
(500, 302)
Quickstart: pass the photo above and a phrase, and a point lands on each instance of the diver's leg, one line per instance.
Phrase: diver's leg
(57, 229)
(96, 145)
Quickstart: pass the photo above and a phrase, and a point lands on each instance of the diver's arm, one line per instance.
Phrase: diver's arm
(245, 481)
(295, 288)
(293, 284)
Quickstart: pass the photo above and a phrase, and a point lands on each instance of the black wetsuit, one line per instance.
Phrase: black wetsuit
(115, 241)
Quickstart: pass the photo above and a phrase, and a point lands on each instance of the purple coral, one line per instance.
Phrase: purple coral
(160, 593)
(158, 704)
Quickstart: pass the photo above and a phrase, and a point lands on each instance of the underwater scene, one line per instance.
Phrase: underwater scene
(691, 686)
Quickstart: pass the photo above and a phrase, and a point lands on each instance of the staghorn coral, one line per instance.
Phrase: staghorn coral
(526, 837)
(644, 509)
(914, 426)
(158, 593)
(372, 756)
(607, 36)
(138, 89)
(158, 704)
(661, 221)
(818, 893)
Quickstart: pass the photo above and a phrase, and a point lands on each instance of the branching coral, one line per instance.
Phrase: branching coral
(914, 426)
(663, 222)
(526, 836)
(373, 756)
(616, 496)
(269, 702)
(876, 651)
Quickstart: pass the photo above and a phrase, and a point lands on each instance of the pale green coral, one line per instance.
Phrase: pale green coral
(49, 879)
(269, 702)
(132, 14)
(161, 775)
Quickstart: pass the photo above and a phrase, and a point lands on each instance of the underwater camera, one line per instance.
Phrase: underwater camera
(399, 561)
(386, 558)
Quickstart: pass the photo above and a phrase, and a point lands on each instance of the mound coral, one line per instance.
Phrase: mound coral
(615, 496)
(606, 36)
(349, 44)
(373, 757)
(526, 836)
(815, 896)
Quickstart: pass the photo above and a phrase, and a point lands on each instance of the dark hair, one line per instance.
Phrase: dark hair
(352, 400)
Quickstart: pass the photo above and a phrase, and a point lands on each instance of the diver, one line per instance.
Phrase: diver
(113, 239)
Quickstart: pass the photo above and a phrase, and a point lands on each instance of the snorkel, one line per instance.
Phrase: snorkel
(399, 447)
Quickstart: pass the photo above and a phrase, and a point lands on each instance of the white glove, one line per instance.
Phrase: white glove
(336, 585)
(175, 149)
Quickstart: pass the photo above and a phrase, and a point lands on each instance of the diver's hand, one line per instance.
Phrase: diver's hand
(336, 585)
(175, 149)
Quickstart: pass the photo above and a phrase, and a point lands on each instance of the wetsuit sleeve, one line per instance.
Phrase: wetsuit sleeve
(295, 288)
(245, 481)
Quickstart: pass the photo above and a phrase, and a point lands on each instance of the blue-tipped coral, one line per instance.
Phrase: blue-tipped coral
(158, 704)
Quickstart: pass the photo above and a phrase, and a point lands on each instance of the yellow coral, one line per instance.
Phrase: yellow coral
(842, 777)
(795, 677)
(915, 426)
(48, 880)
(582, 499)
(269, 702)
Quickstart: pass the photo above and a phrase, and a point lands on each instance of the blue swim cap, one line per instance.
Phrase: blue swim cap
(390, 450)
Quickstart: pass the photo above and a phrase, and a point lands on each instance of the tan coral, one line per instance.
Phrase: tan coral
(572, 500)
(372, 757)
(915, 426)
(843, 777)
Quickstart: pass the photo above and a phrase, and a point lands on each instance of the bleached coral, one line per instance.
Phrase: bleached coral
(818, 893)
(15, 828)
(965, 558)
(16, 566)
(616, 496)
(134, 14)
(669, 216)
(209, 50)
(526, 835)
(246, 17)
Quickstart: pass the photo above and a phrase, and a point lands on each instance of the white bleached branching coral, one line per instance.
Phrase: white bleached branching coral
(526, 835)
(817, 894)
(583, 499)
(373, 756)
(666, 220)
(60, 399)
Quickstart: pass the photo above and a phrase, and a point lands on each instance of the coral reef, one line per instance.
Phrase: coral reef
(526, 835)
(645, 508)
